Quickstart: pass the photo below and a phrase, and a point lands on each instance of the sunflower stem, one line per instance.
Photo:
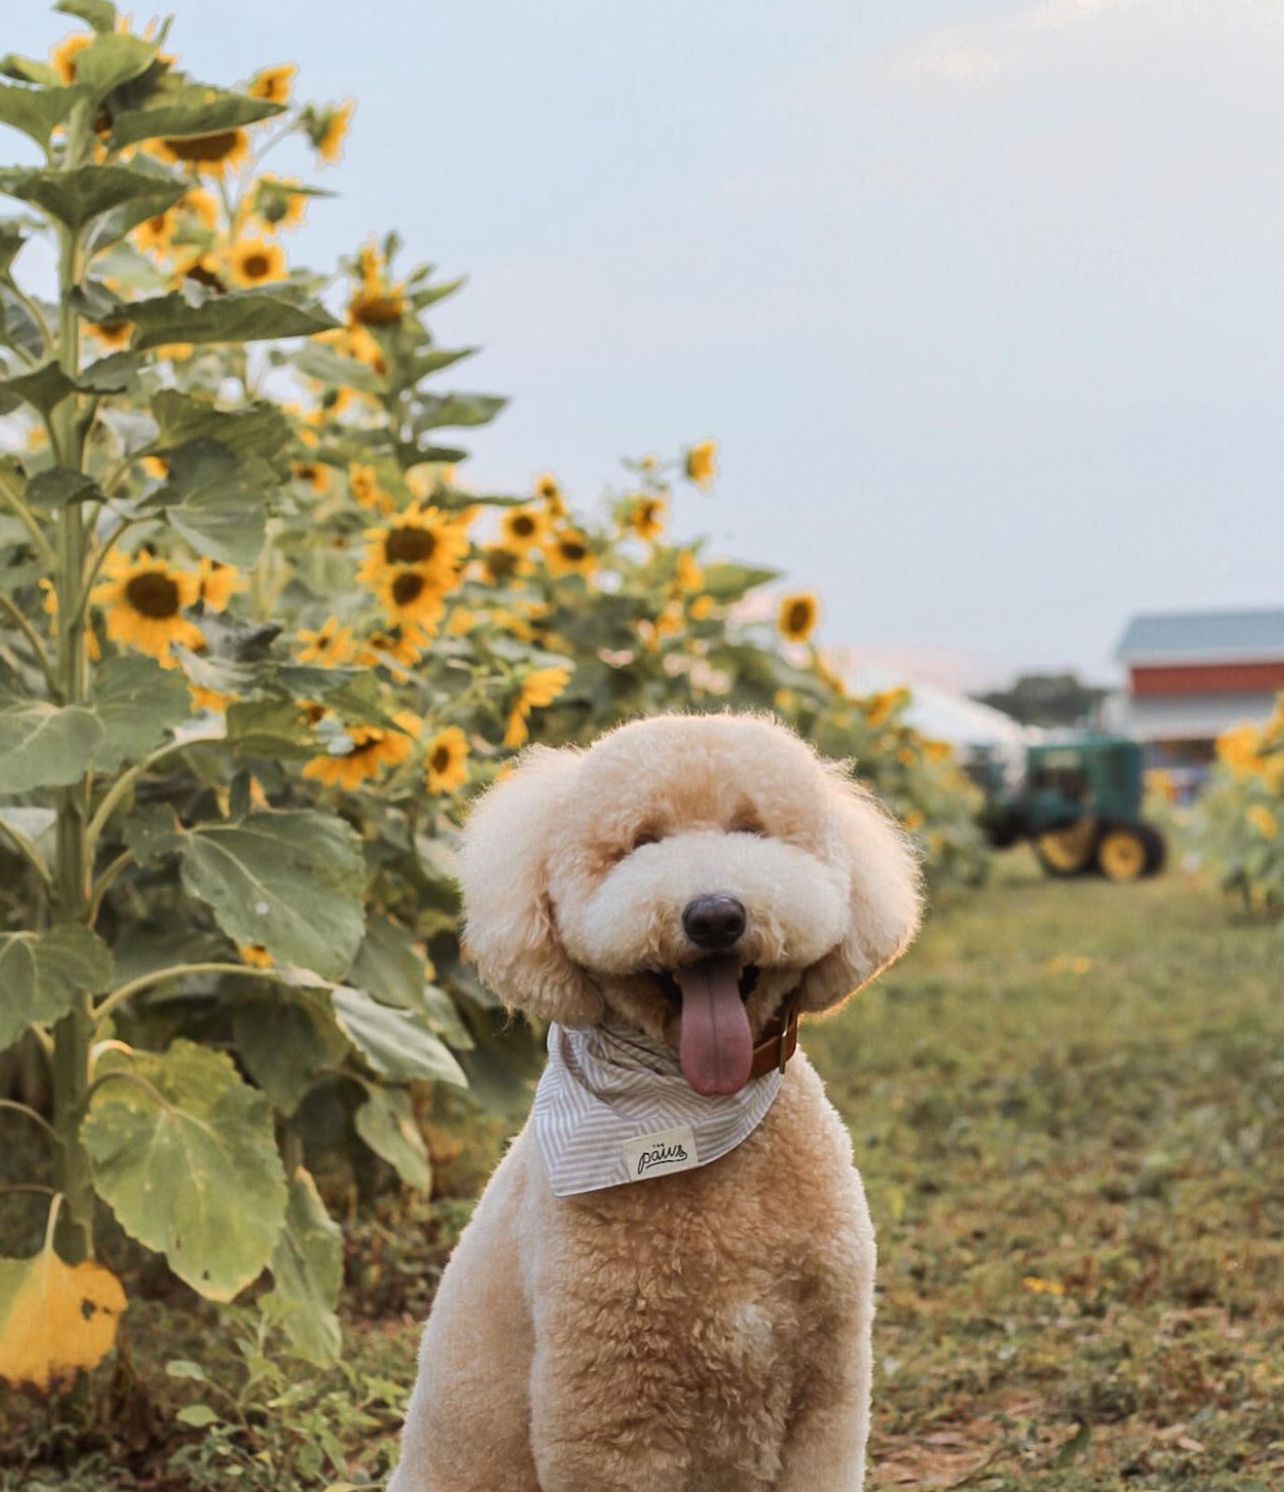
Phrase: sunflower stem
(74, 1032)
(118, 997)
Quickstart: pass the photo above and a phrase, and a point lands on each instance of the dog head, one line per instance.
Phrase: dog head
(687, 873)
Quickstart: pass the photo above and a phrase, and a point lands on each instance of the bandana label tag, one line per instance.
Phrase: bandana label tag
(661, 1153)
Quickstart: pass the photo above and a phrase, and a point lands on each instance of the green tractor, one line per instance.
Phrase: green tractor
(1080, 806)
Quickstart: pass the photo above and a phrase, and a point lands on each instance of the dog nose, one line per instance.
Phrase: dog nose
(713, 922)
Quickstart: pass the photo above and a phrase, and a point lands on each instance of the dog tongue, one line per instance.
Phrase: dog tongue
(716, 1045)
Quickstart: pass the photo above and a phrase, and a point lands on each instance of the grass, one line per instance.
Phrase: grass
(1066, 1104)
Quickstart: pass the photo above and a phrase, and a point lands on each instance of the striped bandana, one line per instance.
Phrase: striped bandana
(613, 1107)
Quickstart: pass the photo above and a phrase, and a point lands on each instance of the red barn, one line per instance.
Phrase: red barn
(1194, 674)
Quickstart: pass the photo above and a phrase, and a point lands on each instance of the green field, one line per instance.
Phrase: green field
(1067, 1105)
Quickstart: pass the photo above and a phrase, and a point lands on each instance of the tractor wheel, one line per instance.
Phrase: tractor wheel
(1068, 852)
(1123, 852)
(1156, 848)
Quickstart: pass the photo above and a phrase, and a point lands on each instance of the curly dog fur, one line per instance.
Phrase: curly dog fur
(707, 1331)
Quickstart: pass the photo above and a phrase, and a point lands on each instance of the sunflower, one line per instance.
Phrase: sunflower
(1263, 820)
(315, 473)
(256, 261)
(145, 597)
(377, 304)
(499, 564)
(701, 462)
(371, 748)
(798, 616)
(254, 954)
(880, 708)
(279, 203)
(646, 517)
(422, 538)
(155, 234)
(523, 527)
(330, 645)
(206, 270)
(156, 467)
(218, 583)
(461, 623)
(113, 337)
(411, 597)
(208, 699)
(213, 154)
(569, 554)
(702, 608)
(273, 84)
(538, 690)
(447, 760)
(547, 489)
(330, 132)
(688, 574)
(364, 485)
(63, 56)
(204, 205)
(396, 649)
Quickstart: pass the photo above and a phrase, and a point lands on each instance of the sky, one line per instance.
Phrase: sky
(980, 300)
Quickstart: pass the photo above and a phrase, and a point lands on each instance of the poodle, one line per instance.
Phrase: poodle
(667, 1285)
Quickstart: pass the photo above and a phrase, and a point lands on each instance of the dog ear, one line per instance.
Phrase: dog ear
(509, 925)
(885, 900)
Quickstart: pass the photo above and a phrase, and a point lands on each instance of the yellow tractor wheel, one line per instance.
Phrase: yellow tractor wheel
(1123, 854)
(1068, 852)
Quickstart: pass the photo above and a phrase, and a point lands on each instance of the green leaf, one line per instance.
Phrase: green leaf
(139, 703)
(100, 14)
(12, 239)
(435, 360)
(44, 388)
(259, 430)
(111, 59)
(241, 316)
(198, 1416)
(177, 108)
(153, 831)
(388, 965)
(286, 1040)
(42, 745)
(443, 1017)
(190, 1169)
(74, 197)
(42, 973)
(307, 1271)
(386, 1122)
(289, 881)
(110, 375)
(29, 70)
(271, 728)
(431, 294)
(456, 410)
(728, 582)
(396, 1043)
(35, 111)
(216, 499)
(316, 360)
(61, 485)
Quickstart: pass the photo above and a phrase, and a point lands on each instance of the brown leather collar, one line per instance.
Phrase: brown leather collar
(779, 1040)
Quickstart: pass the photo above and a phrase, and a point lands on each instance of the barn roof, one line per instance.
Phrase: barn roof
(1204, 637)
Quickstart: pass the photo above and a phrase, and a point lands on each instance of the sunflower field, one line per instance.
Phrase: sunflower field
(259, 643)
(1237, 827)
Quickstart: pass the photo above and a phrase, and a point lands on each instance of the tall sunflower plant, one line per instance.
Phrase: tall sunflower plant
(259, 642)
(1236, 830)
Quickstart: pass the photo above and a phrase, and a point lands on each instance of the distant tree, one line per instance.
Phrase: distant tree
(1047, 699)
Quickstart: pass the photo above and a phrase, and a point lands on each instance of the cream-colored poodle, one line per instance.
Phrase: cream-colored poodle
(668, 1283)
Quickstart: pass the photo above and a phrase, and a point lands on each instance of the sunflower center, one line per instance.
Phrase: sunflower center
(215, 147)
(523, 525)
(441, 759)
(153, 595)
(255, 265)
(407, 587)
(799, 616)
(573, 550)
(409, 546)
